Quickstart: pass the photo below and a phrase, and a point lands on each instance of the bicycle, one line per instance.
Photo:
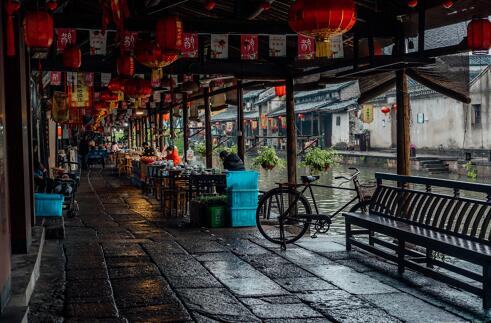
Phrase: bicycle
(284, 226)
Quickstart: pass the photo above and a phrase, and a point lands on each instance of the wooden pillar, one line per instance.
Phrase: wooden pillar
(161, 130)
(171, 121)
(130, 135)
(403, 130)
(291, 135)
(208, 137)
(185, 125)
(240, 121)
(156, 129)
(19, 163)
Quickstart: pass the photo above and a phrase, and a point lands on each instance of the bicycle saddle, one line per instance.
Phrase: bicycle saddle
(309, 179)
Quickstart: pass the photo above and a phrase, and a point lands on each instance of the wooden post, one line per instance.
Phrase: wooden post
(185, 125)
(19, 166)
(240, 121)
(403, 130)
(171, 121)
(291, 135)
(161, 130)
(130, 134)
(208, 137)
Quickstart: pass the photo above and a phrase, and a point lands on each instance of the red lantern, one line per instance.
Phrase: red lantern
(265, 5)
(301, 116)
(168, 34)
(138, 88)
(148, 53)
(125, 65)
(11, 7)
(280, 90)
(109, 96)
(322, 18)
(412, 3)
(210, 5)
(447, 4)
(385, 110)
(72, 57)
(116, 85)
(52, 5)
(38, 29)
(166, 117)
(479, 35)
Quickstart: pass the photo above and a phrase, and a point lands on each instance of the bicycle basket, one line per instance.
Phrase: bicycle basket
(367, 190)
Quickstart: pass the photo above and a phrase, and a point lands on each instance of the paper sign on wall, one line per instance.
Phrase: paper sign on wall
(306, 47)
(55, 78)
(190, 45)
(64, 38)
(367, 113)
(98, 42)
(249, 47)
(277, 45)
(219, 46)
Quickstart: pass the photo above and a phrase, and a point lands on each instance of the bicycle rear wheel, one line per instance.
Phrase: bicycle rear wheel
(272, 205)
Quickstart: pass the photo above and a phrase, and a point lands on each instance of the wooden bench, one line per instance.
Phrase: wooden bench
(431, 214)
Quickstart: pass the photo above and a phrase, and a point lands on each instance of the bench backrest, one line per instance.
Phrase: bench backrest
(435, 203)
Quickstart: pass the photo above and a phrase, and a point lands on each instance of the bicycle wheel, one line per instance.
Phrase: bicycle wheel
(272, 205)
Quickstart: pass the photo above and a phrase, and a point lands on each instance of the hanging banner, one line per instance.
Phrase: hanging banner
(277, 45)
(367, 113)
(254, 124)
(89, 79)
(105, 79)
(219, 46)
(190, 45)
(97, 40)
(330, 49)
(306, 47)
(264, 121)
(79, 95)
(64, 38)
(55, 78)
(71, 78)
(128, 40)
(156, 78)
(249, 49)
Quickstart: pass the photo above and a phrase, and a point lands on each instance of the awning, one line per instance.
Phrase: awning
(339, 106)
(230, 114)
(332, 106)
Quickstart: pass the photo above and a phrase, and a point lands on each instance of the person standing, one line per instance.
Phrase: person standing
(231, 161)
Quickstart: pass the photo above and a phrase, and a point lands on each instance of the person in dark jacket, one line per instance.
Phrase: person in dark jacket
(147, 150)
(231, 161)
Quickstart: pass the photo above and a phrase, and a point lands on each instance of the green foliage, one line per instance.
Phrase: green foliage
(319, 160)
(230, 150)
(471, 170)
(268, 159)
(212, 200)
(200, 148)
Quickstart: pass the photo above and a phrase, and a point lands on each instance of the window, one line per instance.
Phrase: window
(476, 115)
(338, 120)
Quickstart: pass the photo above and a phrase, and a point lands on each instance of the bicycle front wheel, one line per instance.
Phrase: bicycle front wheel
(283, 229)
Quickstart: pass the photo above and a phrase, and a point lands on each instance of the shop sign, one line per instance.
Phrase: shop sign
(249, 49)
(190, 45)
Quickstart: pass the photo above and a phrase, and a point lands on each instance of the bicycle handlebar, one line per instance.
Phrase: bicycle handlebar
(356, 173)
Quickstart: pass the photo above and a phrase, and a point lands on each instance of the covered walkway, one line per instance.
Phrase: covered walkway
(123, 261)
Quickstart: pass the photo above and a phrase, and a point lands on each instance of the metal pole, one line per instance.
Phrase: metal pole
(208, 138)
(240, 121)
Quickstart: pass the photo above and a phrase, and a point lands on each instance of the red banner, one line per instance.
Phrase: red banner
(64, 38)
(55, 78)
(128, 40)
(190, 45)
(249, 47)
(306, 47)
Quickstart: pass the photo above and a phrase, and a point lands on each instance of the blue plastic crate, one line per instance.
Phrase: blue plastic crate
(48, 204)
(243, 217)
(242, 197)
(247, 179)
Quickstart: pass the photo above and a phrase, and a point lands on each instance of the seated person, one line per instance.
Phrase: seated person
(173, 154)
(231, 161)
(147, 150)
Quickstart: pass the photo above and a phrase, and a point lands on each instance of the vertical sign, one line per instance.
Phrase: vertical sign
(105, 79)
(219, 46)
(128, 39)
(98, 42)
(190, 45)
(306, 47)
(249, 47)
(64, 38)
(277, 45)
(367, 113)
(55, 78)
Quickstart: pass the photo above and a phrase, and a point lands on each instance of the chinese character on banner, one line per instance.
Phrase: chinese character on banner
(367, 113)
(306, 47)
(219, 46)
(249, 47)
(128, 40)
(98, 42)
(105, 79)
(79, 94)
(190, 45)
(55, 78)
(64, 38)
(277, 45)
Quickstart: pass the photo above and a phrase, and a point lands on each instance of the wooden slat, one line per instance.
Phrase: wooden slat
(473, 218)
(486, 226)
(466, 211)
(457, 207)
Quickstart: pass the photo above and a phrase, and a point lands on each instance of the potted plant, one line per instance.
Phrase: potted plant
(320, 160)
(230, 150)
(268, 159)
(215, 208)
(200, 148)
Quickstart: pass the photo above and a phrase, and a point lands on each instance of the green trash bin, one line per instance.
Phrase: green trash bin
(217, 216)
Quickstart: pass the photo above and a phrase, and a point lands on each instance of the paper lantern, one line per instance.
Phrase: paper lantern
(322, 18)
(412, 3)
(479, 35)
(116, 85)
(210, 5)
(169, 34)
(447, 4)
(125, 65)
(301, 116)
(265, 5)
(52, 5)
(72, 57)
(385, 110)
(11, 7)
(109, 96)
(138, 88)
(280, 90)
(148, 53)
(166, 117)
(38, 29)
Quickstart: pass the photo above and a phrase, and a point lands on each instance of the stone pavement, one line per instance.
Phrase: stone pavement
(121, 261)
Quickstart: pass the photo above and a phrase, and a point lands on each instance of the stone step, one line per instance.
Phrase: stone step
(433, 166)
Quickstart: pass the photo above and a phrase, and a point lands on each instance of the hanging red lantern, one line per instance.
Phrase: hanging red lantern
(169, 34)
(125, 65)
(447, 4)
(11, 7)
(72, 57)
(109, 96)
(479, 35)
(322, 18)
(385, 110)
(38, 29)
(138, 88)
(412, 3)
(148, 53)
(210, 5)
(301, 116)
(265, 5)
(52, 5)
(116, 85)
(280, 90)
(166, 117)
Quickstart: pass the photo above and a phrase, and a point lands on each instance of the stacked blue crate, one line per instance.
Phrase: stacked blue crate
(243, 191)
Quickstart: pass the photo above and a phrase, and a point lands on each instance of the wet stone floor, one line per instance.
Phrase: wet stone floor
(121, 261)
